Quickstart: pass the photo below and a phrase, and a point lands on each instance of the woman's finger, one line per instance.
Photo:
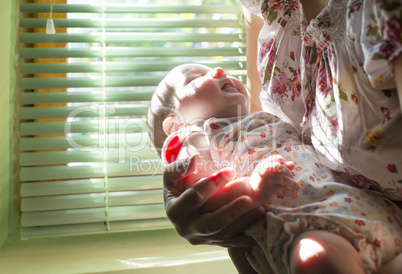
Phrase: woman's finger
(173, 176)
(190, 201)
(239, 240)
(193, 198)
(179, 169)
(233, 235)
(215, 222)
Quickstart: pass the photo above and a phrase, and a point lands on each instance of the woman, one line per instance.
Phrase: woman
(345, 65)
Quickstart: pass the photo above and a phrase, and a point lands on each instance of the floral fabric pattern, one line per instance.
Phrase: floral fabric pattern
(333, 79)
(327, 201)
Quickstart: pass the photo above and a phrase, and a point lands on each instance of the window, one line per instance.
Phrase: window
(86, 164)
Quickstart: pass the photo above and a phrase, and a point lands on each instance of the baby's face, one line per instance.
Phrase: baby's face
(204, 93)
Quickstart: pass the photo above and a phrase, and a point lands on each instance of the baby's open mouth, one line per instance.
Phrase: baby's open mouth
(227, 84)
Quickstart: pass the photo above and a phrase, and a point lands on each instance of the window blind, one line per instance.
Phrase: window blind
(86, 163)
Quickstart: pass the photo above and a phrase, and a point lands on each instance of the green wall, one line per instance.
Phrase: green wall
(8, 33)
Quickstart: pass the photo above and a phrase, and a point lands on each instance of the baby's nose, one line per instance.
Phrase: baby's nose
(218, 72)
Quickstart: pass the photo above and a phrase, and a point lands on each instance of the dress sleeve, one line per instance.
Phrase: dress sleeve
(381, 37)
(253, 6)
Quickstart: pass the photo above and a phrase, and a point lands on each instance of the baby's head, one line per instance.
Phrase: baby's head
(190, 94)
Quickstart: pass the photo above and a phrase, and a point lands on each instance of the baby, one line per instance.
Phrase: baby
(199, 110)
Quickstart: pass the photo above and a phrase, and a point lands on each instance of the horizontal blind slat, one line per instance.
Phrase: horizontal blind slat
(96, 52)
(92, 185)
(31, 68)
(33, 128)
(91, 215)
(93, 200)
(59, 82)
(85, 142)
(65, 157)
(95, 228)
(95, 82)
(57, 127)
(130, 23)
(128, 38)
(140, 168)
(94, 110)
(77, 8)
(83, 97)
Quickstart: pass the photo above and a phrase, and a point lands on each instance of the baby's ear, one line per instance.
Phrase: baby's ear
(170, 125)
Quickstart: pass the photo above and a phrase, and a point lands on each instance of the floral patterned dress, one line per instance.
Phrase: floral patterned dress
(332, 78)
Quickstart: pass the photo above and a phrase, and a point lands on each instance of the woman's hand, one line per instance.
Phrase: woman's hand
(222, 227)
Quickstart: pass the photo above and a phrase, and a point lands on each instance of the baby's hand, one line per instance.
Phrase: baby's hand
(272, 177)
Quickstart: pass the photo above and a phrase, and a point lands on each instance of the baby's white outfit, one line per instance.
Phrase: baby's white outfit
(327, 200)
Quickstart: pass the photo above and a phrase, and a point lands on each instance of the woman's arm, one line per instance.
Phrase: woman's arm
(253, 27)
(398, 80)
(240, 261)
(398, 77)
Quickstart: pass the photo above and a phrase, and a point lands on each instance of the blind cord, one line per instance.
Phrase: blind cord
(105, 135)
(49, 22)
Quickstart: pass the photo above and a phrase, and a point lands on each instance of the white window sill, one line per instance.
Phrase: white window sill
(140, 252)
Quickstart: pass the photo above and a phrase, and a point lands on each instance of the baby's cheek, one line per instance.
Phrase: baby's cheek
(208, 87)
